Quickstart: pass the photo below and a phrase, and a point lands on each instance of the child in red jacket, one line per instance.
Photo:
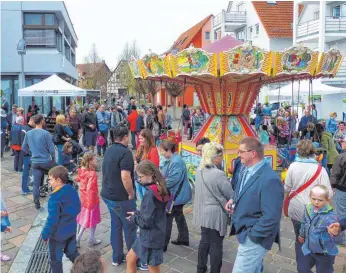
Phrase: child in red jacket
(90, 214)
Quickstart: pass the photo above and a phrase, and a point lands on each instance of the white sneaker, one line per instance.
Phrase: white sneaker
(4, 258)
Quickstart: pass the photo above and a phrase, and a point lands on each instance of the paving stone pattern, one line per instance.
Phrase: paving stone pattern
(177, 258)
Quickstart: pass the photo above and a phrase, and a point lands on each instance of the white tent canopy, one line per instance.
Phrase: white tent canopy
(318, 88)
(52, 86)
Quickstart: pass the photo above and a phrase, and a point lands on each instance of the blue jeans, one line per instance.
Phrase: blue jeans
(57, 250)
(304, 263)
(59, 146)
(25, 174)
(258, 122)
(140, 190)
(118, 211)
(38, 170)
(249, 257)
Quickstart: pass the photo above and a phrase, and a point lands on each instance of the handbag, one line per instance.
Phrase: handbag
(173, 197)
(223, 209)
(290, 196)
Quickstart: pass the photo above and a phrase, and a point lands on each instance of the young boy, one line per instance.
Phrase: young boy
(318, 245)
(61, 225)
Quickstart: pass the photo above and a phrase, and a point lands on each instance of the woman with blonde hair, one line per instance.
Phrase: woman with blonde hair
(20, 112)
(60, 136)
(331, 124)
(212, 192)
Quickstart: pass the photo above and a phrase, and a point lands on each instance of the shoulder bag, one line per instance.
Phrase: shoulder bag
(291, 195)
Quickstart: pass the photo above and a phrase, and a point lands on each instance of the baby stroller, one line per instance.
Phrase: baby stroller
(46, 189)
(77, 152)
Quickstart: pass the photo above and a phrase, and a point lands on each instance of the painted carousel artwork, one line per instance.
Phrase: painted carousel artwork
(329, 63)
(296, 60)
(227, 84)
(153, 65)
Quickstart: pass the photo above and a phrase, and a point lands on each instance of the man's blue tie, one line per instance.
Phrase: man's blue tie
(243, 179)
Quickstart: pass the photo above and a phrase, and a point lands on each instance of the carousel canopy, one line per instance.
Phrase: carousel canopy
(223, 44)
(52, 86)
(317, 88)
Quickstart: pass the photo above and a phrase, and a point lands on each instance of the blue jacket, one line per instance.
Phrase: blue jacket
(104, 120)
(151, 218)
(258, 208)
(139, 124)
(17, 134)
(303, 124)
(314, 230)
(63, 208)
(267, 111)
(331, 126)
(175, 172)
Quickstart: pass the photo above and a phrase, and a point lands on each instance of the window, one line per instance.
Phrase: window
(250, 32)
(40, 37)
(257, 29)
(73, 59)
(336, 11)
(207, 35)
(67, 51)
(316, 15)
(59, 41)
(241, 35)
(215, 35)
(40, 19)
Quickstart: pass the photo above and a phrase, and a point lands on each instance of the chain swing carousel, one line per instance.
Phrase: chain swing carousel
(227, 84)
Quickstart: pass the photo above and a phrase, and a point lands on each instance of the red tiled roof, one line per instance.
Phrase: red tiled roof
(187, 37)
(276, 18)
(85, 69)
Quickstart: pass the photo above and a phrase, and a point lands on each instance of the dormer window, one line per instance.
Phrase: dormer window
(271, 2)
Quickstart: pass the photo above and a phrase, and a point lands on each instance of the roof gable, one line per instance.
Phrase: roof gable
(186, 38)
(276, 18)
(90, 69)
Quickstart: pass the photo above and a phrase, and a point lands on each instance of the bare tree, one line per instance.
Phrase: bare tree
(175, 90)
(152, 87)
(130, 51)
(95, 79)
(140, 88)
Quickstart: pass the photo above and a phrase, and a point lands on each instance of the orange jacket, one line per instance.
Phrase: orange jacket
(88, 188)
(132, 119)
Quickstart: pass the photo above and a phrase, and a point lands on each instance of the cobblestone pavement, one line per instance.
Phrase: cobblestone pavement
(177, 258)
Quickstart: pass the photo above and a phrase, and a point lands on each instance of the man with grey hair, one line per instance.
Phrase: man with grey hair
(17, 137)
(256, 207)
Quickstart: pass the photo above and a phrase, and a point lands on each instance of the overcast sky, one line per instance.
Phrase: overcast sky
(155, 24)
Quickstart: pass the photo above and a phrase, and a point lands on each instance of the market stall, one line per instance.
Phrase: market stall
(53, 86)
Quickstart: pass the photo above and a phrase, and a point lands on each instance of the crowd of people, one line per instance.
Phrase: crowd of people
(251, 203)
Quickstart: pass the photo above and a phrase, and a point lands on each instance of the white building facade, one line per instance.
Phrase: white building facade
(245, 20)
(51, 44)
(322, 25)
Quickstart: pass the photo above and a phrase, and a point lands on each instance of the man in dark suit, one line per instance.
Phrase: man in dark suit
(256, 207)
(5, 105)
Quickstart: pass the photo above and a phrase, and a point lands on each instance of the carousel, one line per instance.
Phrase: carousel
(227, 84)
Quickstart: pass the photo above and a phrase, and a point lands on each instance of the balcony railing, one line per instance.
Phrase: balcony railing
(332, 24)
(235, 17)
(308, 28)
(336, 24)
(230, 17)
